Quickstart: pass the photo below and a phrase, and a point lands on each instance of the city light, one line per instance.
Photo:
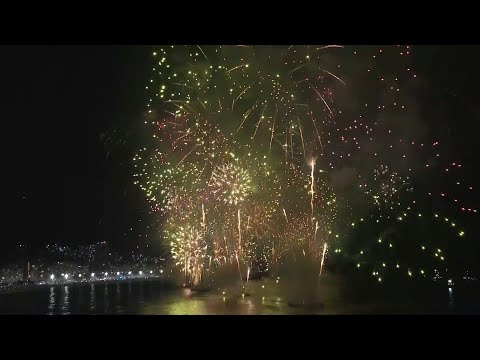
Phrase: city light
(92, 274)
(52, 277)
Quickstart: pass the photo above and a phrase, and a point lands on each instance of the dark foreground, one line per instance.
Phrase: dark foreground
(336, 296)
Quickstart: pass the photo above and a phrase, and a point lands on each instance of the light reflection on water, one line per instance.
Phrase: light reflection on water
(93, 302)
(107, 299)
(51, 301)
(203, 305)
(65, 310)
(186, 302)
(144, 297)
(451, 299)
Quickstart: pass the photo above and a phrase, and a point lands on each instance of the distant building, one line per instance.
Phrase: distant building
(98, 257)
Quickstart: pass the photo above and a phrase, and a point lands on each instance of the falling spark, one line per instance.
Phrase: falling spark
(246, 116)
(238, 264)
(316, 130)
(297, 68)
(236, 67)
(330, 46)
(301, 136)
(243, 92)
(335, 76)
(321, 97)
(323, 258)
(312, 177)
(203, 52)
(187, 155)
(239, 231)
(273, 129)
(259, 121)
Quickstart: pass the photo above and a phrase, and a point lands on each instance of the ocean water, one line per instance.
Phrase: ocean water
(267, 297)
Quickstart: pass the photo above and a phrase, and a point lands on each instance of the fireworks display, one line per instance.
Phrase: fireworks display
(260, 154)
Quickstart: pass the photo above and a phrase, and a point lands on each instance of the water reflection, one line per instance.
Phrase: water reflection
(65, 309)
(186, 302)
(106, 298)
(184, 307)
(251, 307)
(262, 298)
(451, 303)
(93, 303)
(51, 301)
(140, 293)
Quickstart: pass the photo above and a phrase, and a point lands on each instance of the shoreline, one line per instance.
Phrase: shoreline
(13, 288)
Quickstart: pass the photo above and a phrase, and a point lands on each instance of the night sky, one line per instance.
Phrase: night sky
(61, 183)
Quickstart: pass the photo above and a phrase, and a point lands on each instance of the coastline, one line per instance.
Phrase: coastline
(13, 288)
